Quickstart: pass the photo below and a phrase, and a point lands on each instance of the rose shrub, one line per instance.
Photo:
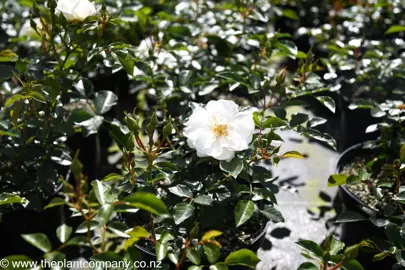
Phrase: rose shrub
(181, 142)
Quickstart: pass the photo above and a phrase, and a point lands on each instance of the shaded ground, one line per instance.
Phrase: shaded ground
(304, 200)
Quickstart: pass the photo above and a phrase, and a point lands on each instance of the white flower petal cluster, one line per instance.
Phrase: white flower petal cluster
(76, 10)
(219, 130)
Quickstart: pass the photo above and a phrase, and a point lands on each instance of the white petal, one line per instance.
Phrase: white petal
(215, 150)
(204, 141)
(199, 117)
(222, 108)
(244, 125)
(226, 155)
(84, 9)
(234, 142)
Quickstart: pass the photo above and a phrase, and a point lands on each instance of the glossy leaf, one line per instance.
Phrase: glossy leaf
(148, 202)
(244, 257)
(243, 212)
(63, 232)
(234, 167)
(38, 240)
(307, 266)
(212, 252)
(182, 211)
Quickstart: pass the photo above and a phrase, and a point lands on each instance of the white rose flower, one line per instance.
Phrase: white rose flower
(219, 130)
(76, 10)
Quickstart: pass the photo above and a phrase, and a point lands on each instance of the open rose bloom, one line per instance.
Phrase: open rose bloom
(76, 10)
(219, 130)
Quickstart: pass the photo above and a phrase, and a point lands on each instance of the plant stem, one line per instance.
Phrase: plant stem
(337, 266)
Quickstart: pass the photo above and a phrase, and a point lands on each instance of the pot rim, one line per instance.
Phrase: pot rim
(252, 242)
(364, 207)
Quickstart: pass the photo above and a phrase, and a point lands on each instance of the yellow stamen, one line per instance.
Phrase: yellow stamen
(220, 130)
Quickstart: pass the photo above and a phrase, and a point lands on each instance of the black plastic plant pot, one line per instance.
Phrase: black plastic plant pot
(254, 245)
(354, 232)
(353, 123)
(18, 220)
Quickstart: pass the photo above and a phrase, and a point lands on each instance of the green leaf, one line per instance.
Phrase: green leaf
(393, 233)
(8, 55)
(5, 133)
(337, 180)
(5, 72)
(63, 232)
(55, 256)
(232, 76)
(334, 245)
(328, 102)
(113, 177)
(256, 119)
(219, 266)
(166, 237)
(37, 96)
(83, 228)
(126, 61)
(104, 214)
(298, 119)
(243, 257)
(287, 47)
(273, 122)
(243, 211)
(272, 136)
(210, 234)
(133, 254)
(181, 191)
(194, 256)
(353, 179)
(104, 100)
(311, 247)
(38, 240)
(352, 265)
(17, 259)
(13, 99)
(395, 29)
(289, 13)
(349, 216)
(103, 192)
(195, 267)
(307, 266)
(119, 229)
(212, 252)
(8, 198)
(91, 126)
(108, 256)
(55, 202)
(179, 32)
(204, 200)
(361, 104)
(316, 121)
(161, 251)
(292, 154)
(185, 76)
(234, 167)
(78, 241)
(182, 211)
(148, 202)
(272, 214)
(139, 232)
(380, 256)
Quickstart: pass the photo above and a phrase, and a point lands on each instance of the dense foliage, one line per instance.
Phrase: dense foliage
(153, 125)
